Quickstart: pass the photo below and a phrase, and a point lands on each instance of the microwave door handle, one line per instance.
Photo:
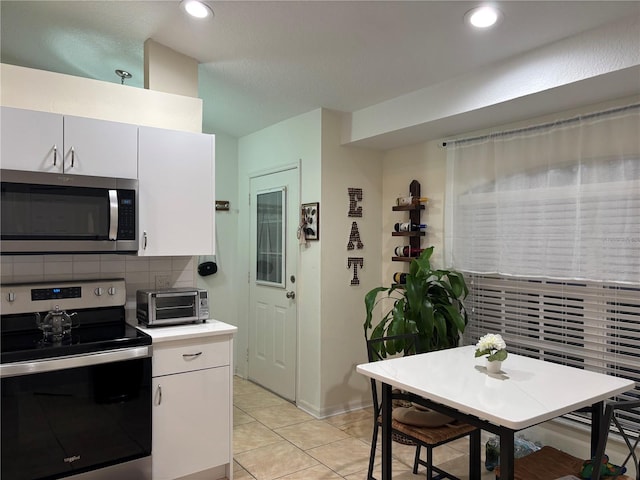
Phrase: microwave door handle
(113, 214)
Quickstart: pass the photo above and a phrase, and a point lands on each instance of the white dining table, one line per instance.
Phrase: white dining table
(524, 393)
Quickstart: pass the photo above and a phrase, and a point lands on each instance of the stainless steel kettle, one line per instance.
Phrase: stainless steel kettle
(56, 325)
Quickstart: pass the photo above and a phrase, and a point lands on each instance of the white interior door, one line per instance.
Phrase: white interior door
(273, 259)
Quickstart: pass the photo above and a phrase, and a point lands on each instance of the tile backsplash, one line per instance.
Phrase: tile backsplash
(138, 272)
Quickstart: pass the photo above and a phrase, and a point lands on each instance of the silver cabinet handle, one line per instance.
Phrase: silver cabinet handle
(55, 155)
(291, 295)
(159, 394)
(73, 156)
(144, 242)
(191, 355)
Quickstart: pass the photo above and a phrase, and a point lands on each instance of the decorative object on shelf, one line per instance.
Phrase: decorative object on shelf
(355, 262)
(310, 221)
(410, 200)
(430, 303)
(355, 196)
(406, 251)
(354, 238)
(410, 204)
(409, 227)
(400, 278)
(494, 347)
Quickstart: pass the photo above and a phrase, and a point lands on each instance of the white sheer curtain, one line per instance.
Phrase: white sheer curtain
(559, 200)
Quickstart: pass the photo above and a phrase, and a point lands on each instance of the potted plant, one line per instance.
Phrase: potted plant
(428, 303)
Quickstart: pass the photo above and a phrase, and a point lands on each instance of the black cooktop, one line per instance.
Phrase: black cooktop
(98, 329)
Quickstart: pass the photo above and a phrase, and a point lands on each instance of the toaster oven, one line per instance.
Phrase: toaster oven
(172, 306)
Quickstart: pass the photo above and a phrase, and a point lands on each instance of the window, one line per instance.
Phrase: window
(589, 325)
(271, 238)
(546, 221)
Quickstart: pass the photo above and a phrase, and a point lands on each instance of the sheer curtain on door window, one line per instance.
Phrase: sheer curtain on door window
(559, 200)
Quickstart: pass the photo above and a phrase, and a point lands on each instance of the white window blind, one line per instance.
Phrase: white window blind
(559, 200)
(589, 325)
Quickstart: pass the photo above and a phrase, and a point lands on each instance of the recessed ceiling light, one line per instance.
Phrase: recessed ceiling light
(197, 9)
(483, 17)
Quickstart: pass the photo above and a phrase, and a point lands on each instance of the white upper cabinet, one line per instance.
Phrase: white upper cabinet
(100, 148)
(176, 192)
(31, 140)
(48, 142)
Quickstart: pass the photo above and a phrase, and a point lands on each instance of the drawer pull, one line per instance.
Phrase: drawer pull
(189, 356)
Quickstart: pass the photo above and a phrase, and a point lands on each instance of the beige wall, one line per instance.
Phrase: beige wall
(342, 304)
(65, 94)
(166, 70)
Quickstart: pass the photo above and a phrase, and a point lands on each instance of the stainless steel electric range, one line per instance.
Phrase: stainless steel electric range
(76, 383)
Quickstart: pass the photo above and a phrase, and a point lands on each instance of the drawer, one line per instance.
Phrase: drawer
(194, 354)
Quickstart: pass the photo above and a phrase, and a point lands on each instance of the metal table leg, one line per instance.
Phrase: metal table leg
(597, 413)
(507, 452)
(386, 431)
(474, 455)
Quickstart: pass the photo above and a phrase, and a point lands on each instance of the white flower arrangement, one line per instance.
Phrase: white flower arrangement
(493, 345)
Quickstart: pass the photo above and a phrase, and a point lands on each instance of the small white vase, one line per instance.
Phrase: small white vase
(494, 366)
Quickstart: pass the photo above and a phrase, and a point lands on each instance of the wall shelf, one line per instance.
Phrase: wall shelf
(414, 217)
(408, 234)
(407, 208)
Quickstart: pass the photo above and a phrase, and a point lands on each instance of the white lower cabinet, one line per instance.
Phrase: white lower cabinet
(192, 415)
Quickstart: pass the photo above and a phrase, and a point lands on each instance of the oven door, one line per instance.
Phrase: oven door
(61, 417)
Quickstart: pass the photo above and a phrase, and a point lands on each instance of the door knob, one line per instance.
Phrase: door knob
(291, 295)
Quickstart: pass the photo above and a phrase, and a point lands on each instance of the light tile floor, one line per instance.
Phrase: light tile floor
(272, 439)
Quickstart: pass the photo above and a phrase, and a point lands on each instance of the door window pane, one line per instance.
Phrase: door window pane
(270, 242)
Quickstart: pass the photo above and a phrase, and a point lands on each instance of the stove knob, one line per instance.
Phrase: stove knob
(112, 290)
(11, 296)
(99, 291)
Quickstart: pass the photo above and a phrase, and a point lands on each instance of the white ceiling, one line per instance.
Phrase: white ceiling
(266, 61)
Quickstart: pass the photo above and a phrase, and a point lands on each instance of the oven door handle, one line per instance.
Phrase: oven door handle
(75, 361)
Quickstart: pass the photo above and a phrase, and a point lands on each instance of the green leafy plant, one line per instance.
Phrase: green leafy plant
(428, 303)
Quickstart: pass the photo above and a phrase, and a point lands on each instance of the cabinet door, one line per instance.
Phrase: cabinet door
(176, 191)
(191, 422)
(100, 148)
(31, 140)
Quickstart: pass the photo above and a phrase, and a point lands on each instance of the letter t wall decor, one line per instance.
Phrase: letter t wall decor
(355, 196)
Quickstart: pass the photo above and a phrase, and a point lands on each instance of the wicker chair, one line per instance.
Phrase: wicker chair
(549, 463)
(427, 437)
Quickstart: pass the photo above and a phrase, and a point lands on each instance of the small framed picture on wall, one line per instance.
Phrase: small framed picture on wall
(311, 220)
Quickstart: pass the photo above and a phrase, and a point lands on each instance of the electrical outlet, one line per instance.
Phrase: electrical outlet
(163, 281)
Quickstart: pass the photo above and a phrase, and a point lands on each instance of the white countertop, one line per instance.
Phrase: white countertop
(526, 392)
(189, 330)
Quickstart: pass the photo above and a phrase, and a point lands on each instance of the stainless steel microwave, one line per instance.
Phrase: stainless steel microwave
(172, 306)
(55, 213)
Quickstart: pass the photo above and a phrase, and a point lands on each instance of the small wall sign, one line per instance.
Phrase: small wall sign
(310, 220)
